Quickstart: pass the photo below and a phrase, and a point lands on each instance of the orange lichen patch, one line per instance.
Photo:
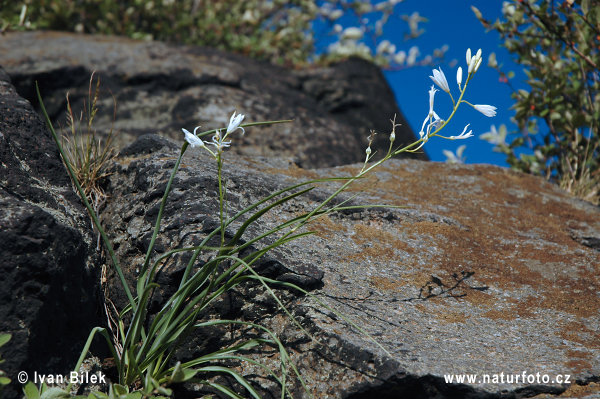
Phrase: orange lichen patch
(578, 365)
(325, 227)
(574, 391)
(373, 252)
(480, 298)
(435, 229)
(575, 296)
(579, 333)
(385, 284)
(579, 354)
(421, 308)
(514, 240)
(508, 267)
(446, 316)
(497, 314)
(454, 287)
(369, 233)
(505, 312)
(491, 191)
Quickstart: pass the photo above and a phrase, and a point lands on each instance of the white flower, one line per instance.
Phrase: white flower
(400, 57)
(440, 79)
(352, 33)
(459, 76)
(219, 141)
(385, 47)
(463, 135)
(249, 16)
(494, 136)
(432, 120)
(234, 123)
(413, 21)
(487, 110)
(492, 62)
(413, 53)
(509, 9)
(473, 62)
(349, 47)
(192, 139)
(455, 158)
(432, 92)
(336, 14)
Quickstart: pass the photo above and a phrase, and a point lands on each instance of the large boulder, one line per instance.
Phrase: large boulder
(49, 287)
(485, 271)
(482, 271)
(160, 88)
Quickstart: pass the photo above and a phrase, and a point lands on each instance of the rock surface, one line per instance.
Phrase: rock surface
(160, 88)
(485, 271)
(49, 287)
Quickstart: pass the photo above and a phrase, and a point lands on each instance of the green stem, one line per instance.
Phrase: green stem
(209, 132)
(389, 155)
(159, 217)
(221, 196)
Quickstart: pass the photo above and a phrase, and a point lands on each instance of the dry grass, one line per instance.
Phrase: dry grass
(85, 151)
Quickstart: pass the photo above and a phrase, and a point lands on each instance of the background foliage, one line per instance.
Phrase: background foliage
(558, 45)
(280, 31)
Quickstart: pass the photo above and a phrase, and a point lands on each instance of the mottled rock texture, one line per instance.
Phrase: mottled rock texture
(160, 88)
(485, 271)
(48, 290)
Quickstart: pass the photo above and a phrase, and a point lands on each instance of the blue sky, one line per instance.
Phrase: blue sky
(452, 23)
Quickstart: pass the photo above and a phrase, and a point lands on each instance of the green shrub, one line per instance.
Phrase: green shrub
(558, 45)
(280, 31)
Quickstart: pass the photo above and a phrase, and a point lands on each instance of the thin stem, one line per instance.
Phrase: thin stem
(160, 213)
(221, 196)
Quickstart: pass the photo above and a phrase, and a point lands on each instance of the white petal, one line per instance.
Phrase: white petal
(192, 139)
(459, 76)
(440, 79)
(472, 65)
(234, 122)
(477, 65)
(422, 132)
(431, 98)
(463, 135)
(487, 110)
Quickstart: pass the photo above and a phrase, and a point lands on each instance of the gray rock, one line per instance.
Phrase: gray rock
(49, 285)
(161, 88)
(481, 272)
(485, 271)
